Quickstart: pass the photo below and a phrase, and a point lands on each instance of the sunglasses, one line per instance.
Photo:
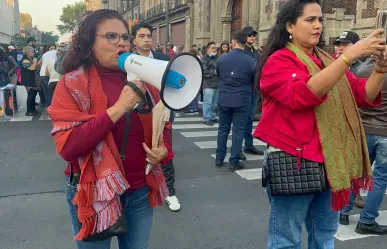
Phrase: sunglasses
(252, 34)
(114, 38)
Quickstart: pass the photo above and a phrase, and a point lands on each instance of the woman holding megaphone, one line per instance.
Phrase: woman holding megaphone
(107, 145)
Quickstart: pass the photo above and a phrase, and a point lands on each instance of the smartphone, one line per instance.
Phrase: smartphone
(381, 21)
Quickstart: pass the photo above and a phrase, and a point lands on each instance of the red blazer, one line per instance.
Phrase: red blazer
(288, 119)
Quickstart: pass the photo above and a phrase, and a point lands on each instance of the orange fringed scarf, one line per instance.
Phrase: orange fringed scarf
(78, 98)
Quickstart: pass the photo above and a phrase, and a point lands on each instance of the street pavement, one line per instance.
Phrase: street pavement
(220, 209)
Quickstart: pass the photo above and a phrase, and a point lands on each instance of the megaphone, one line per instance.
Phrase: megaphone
(179, 80)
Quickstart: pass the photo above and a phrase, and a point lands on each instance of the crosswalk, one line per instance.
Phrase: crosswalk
(204, 137)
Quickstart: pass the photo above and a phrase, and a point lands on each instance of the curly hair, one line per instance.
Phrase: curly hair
(81, 53)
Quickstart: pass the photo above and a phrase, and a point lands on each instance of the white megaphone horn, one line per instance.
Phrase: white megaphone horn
(179, 80)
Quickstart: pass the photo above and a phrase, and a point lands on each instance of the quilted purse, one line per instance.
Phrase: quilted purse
(284, 178)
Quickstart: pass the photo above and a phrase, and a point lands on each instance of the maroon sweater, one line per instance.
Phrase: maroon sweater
(85, 137)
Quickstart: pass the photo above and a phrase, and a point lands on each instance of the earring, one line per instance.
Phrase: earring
(290, 37)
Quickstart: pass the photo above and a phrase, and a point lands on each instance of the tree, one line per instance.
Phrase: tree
(49, 38)
(71, 16)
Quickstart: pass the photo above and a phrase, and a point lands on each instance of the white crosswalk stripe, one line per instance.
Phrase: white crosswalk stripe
(205, 138)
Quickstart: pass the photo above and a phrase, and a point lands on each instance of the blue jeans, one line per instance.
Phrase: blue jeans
(237, 116)
(194, 107)
(210, 100)
(377, 149)
(249, 125)
(138, 214)
(47, 96)
(288, 213)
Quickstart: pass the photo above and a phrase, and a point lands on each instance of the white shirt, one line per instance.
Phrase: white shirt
(46, 58)
(54, 75)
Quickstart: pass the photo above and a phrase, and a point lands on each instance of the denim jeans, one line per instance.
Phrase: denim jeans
(47, 97)
(194, 107)
(288, 213)
(249, 125)
(237, 116)
(138, 214)
(210, 100)
(377, 149)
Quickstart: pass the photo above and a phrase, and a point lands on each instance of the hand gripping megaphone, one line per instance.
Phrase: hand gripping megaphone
(179, 80)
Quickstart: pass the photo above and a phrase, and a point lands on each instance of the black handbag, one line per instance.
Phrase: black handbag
(284, 178)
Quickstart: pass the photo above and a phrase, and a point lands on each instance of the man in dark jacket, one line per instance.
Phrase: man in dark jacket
(210, 85)
(249, 48)
(142, 40)
(236, 72)
(375, 127)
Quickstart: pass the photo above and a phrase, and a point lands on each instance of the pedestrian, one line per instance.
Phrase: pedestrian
(28, 67)
(106, 181)
(43, 61)
(311, 122)
(224, 48)
(249, 143)
(345, 41)
(210, 85)
(142, 39)
(236, 71)
(375, 127)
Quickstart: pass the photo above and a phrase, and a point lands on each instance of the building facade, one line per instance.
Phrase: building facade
(25, 25)
(92, 5)
(9, 20)
(200, 21)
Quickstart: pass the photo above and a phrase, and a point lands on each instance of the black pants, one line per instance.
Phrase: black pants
(169, 174)
(51, 89)
(31, 96)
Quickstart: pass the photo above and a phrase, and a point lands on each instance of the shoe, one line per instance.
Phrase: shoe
(373, 228)
(253, 151)
(29, 114)
(215, 121)
(173, 203)
(359, 201)
(344, 219)
(218, 163)
(209, 123)
(243, 157)
(236, 166)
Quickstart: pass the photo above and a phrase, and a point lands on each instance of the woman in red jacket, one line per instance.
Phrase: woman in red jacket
(316, 144)
(106, 144)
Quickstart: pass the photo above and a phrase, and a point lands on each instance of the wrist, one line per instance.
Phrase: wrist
(115, 113)
(348, 58)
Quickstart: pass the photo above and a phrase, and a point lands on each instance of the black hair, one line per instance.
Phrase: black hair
(240, 37)
(210, 43)
(194, 45)
(279, 36)
(84, 39)
(141, 25)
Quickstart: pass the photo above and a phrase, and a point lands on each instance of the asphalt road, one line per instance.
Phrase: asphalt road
(220, 210)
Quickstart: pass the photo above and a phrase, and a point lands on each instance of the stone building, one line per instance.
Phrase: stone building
(92, 4)
(201, 21)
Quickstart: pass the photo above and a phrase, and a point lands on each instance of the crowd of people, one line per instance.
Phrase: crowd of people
(323, 118)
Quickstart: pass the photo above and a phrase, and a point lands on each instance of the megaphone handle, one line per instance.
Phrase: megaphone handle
(137, 90)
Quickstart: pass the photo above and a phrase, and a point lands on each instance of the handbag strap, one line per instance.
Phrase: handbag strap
(125, 138)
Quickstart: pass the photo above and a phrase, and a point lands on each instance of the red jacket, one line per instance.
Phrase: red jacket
(288, 119)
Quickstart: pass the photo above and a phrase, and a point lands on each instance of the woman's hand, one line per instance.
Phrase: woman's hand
(126, 102)
(381, 63)
(371, 45)
(157, 153)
